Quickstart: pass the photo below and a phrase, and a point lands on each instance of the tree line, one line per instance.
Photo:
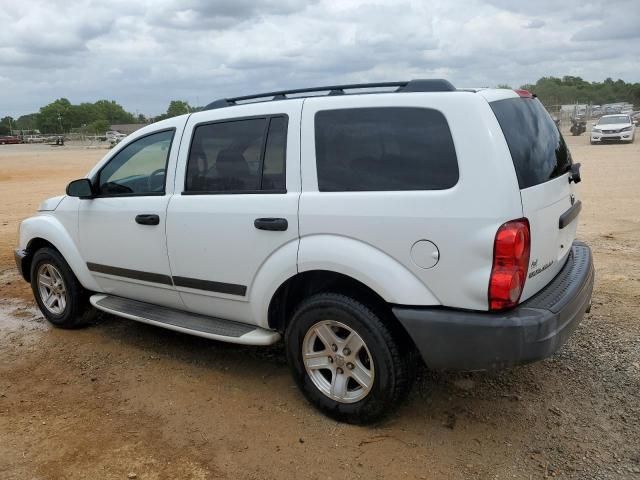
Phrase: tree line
(95, 118)
(570, 90)
(61, 116)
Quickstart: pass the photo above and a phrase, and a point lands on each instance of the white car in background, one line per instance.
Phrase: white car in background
(612, 128)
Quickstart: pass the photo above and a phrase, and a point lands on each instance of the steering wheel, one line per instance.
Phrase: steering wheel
(150, 178)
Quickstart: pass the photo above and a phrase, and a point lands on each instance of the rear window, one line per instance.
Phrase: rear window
(537, 148)
(384, 149)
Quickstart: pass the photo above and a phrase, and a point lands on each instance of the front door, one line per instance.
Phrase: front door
(236, 220)
(122, 229)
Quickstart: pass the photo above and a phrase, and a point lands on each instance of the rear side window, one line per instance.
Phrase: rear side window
(384, 149)
(537, 148)
(239, 156)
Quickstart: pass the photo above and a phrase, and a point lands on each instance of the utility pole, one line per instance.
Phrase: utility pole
(60, 123)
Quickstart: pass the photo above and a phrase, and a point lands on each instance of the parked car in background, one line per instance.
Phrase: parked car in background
(360, 228)
(113, 134)
(114, 137)
(7, 139)
(34, 139)
(613, 128)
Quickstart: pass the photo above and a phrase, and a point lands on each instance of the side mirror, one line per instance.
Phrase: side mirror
(80, 188)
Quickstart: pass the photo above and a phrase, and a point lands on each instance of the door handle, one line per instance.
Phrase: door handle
(148, 219)
(273, 224)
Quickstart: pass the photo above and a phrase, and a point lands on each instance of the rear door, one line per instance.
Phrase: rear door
(542, 162)
(235, 212)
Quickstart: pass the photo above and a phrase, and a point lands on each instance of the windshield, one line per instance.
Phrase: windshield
(614, 120)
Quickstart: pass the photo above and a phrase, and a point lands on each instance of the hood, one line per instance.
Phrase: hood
(50, 204)
(612, 126)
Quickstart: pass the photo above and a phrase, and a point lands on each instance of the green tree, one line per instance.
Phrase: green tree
(27, 122)
(57, 117)
(571, 89)
(7, 124)
(177, 107)
(113, 112)
(62, 115)
(98, 127)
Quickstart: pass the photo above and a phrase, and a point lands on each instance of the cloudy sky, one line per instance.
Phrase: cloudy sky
(143, 53)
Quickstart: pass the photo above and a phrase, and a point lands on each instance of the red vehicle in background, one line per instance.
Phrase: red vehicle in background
(7, 139)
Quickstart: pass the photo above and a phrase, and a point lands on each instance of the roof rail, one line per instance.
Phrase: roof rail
(418, 85)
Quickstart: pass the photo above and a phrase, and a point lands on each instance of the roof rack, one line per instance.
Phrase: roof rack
(419, 85)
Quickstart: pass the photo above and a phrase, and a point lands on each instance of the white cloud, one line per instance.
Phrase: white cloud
(145, 53)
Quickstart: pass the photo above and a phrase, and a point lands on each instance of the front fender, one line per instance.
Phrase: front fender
(367, 264)
(49, 228)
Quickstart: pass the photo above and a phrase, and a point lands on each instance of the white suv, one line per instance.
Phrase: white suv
(364, 226)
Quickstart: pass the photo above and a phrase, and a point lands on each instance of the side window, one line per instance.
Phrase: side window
(537, 148)
(238, 156)
(384, 149)
(139, 168)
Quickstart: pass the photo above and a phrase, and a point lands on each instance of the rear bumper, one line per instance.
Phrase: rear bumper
(466, 340)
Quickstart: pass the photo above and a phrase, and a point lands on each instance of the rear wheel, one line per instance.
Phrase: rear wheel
(57, 291)
(348, 362)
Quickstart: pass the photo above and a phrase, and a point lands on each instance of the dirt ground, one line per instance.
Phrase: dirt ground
(121, 399)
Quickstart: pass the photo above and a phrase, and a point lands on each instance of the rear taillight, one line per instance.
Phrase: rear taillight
(510, 264)
(524, 93)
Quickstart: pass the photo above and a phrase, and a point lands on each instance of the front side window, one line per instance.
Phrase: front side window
(238, 156)
(384, 149)
(139, 168)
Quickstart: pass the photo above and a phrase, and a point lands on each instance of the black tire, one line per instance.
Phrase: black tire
(392, 354)
(78, 310)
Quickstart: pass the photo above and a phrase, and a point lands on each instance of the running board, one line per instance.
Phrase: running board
(185, 322)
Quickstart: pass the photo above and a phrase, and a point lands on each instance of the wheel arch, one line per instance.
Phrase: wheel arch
(47, 231)
(33, 246)
(304, 284)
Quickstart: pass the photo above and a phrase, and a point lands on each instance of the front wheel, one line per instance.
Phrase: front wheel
(349, 361)
(58, 293)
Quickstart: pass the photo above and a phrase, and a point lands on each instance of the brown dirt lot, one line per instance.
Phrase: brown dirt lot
(121, 397)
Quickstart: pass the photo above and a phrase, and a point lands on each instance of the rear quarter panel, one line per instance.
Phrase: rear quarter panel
(461, 221)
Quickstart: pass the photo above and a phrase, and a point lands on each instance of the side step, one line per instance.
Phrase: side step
(185, 322)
